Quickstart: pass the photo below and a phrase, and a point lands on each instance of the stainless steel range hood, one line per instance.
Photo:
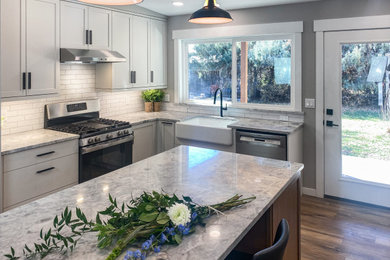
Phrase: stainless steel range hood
(90, 56)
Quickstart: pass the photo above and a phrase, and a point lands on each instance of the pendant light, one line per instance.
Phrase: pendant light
(112, 2)
(210, 14)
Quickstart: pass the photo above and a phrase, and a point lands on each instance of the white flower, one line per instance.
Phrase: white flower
(179, 214)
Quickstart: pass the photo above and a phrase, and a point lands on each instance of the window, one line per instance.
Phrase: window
(264, 72)
(252, 72)
(209, 68)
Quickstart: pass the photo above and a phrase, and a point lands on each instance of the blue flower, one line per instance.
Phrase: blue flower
(137, 254)
(163, 238)
(129, 255)
(170, 231)
(143, 256)
(186, 231)
(152, 238)
(146, 245)
(157, 249)
(181, 228)
(194, 215)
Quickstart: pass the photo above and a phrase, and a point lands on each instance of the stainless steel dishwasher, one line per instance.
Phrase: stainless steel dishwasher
(260, 144)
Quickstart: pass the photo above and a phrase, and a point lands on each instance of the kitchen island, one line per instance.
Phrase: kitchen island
(208, 176)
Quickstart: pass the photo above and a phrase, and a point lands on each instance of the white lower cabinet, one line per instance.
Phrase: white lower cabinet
(40, 171)
(145, 144)
(166, 135)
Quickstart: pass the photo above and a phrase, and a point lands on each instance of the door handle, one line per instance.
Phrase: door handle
(330, 123)
(44, 154)
(152, 76)
(45, 170)
(90, 37)
(87, 37)
(29, 80)
(24, 80)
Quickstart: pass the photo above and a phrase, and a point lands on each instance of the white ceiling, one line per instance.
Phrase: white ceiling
(165, 6)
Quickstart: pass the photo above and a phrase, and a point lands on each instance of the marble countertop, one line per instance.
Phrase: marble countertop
(271, 126)
(208, 176)
(32, 139)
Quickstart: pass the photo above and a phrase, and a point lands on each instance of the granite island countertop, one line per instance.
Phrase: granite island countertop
(208, 176)
(18, 142)
(253, 124)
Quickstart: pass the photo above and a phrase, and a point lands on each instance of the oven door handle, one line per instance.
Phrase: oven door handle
(93, 148)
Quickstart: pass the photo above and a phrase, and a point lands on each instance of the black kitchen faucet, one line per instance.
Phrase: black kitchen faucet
(221, 96)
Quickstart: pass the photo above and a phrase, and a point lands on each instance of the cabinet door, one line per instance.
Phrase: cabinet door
(167, 135)
(12, 52)
(42, 46)
(99, 22)
(139, 50)
(144, 141)
(121, 43)
(158, 53)
(73, 26)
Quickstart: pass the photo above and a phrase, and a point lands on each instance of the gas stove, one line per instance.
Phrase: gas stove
(95, 130)
(104, 146)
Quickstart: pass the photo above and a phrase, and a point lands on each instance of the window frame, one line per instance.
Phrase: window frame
(279, 31)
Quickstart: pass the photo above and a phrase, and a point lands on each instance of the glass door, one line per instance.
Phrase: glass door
(357, 114)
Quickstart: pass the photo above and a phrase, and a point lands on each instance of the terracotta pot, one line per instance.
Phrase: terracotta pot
(157, 106)
(148, 106)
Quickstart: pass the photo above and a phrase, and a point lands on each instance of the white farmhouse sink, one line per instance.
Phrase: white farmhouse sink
(206, 129)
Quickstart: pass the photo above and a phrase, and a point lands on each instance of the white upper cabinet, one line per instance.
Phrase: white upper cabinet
(158, 53)
(84, 27)
(99, 21)
(11, 52)
(42, 46)
(29, 47)
(140, 51)
(74, 26)
(143, 41)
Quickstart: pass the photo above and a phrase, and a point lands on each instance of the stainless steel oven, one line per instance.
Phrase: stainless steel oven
(102, 158)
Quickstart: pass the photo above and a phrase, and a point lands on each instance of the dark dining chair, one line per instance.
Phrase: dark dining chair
(274, 252)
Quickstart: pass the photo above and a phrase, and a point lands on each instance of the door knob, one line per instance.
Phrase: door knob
(330, 123)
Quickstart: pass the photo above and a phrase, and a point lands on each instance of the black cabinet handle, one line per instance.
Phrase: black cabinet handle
(152, 76)
(24, 80)
(29, 80)
(131, 76)
(44, 154)
(135, 77)
(46, 170)
(86, 36)
(90, 37)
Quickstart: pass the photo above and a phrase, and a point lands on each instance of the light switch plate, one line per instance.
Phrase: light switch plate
(166, 98)
(310, 103)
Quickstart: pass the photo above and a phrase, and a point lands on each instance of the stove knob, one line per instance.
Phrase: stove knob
(90, 141)
(97, 139)
(120, 133)
(126, 132)
(109, 136)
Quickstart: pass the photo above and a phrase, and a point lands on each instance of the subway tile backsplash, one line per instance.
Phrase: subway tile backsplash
(76, 82)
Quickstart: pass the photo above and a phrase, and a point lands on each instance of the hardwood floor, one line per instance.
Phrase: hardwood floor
(339, 230)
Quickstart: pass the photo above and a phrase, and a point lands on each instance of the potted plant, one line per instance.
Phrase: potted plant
(158, 97)
(147, 96)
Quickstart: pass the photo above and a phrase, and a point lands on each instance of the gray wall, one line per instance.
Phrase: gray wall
(306, 12)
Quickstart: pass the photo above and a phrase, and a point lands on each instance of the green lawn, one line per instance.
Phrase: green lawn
(365, 134)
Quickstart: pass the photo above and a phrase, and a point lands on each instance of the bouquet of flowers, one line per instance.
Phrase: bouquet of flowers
(147, 222)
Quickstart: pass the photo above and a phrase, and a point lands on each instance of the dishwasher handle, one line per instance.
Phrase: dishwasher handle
(262, 139)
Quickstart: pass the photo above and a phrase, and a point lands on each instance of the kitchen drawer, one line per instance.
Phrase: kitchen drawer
(38, 155)
(29, 182)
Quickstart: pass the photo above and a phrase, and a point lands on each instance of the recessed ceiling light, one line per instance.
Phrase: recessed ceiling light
(177, 3)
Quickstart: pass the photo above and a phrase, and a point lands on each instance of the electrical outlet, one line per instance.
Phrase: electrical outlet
(310, 103)
(166, 98)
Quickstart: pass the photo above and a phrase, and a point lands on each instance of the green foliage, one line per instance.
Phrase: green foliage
(122, 225)
(153, 95)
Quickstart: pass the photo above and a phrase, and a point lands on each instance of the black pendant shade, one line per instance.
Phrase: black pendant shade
(210, 14)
